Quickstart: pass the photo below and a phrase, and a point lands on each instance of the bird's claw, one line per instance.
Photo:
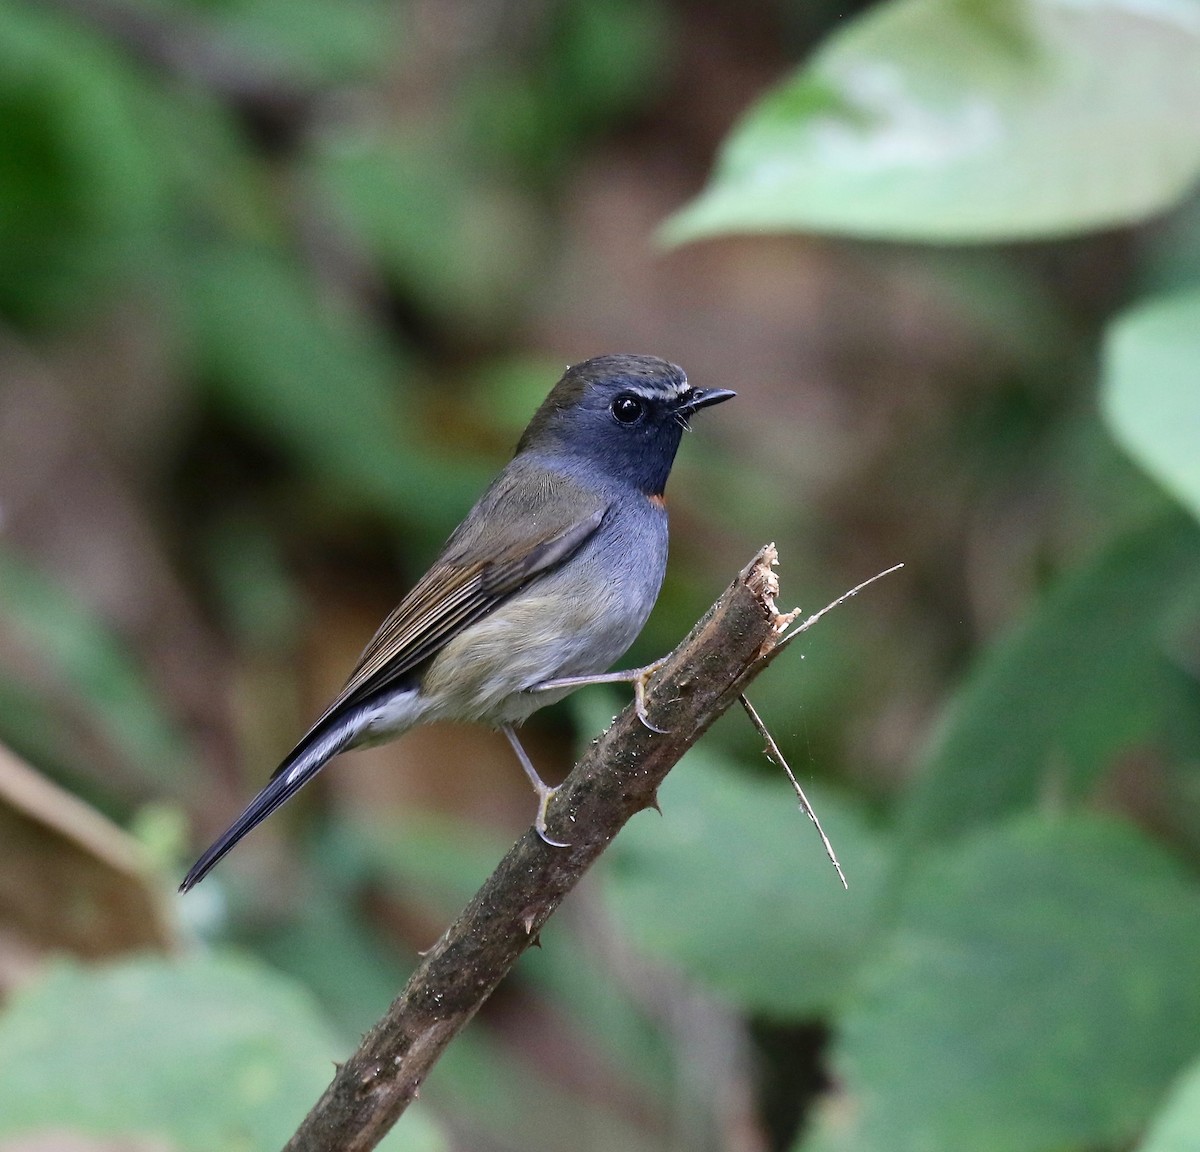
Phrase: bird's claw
(639, 695)
(639, 705)
(545, 795)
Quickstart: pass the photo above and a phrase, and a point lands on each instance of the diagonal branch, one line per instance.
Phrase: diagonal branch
(618, 776)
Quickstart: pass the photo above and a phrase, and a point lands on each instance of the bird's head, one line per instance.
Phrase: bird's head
(623, 414)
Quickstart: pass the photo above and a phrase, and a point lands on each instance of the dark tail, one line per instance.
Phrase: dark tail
(302, 764)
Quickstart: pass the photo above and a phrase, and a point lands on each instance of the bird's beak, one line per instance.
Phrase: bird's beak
(704, 398)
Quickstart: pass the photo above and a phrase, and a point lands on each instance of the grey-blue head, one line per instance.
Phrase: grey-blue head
(624, 414)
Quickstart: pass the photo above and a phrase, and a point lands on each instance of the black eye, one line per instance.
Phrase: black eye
(627, 409)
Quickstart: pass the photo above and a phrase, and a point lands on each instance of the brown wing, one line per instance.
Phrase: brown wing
(534, 524)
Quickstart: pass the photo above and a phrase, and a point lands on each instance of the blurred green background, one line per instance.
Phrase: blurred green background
(280, 283)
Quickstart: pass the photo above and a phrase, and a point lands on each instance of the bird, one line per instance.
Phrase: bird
(545, 584)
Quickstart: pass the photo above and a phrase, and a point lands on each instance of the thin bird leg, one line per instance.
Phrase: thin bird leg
(543, 790)
(772, 750)
(638, 677)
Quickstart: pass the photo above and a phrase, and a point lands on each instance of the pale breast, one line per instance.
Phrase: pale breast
(575, 621)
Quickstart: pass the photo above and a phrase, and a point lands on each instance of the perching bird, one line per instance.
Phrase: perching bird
(545, 584)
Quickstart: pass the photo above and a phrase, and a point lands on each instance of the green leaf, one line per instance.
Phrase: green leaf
(1039, 993)
(732, 886)
(316, 40)
(458, 243)
(320, 384)
(207, 1052)
(82, 193)
(1151, 391)
(81, 652)
(1083, 678)
(970, 120)
(330, 947)
(1177, 1127)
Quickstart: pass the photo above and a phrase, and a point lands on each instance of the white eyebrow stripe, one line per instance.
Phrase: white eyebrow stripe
(661, 391)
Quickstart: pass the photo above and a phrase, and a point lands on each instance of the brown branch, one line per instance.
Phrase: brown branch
(618, 776)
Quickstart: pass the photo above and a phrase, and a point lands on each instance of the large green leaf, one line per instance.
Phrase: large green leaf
(1083, 678)
(1177, 1126)
(732, 885)
(970, 120)
(1152, 391)
(1039, 993)
(205, 1053)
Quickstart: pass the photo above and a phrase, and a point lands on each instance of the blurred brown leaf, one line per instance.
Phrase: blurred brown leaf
(69, 878)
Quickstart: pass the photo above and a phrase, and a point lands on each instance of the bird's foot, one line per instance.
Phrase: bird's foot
(545, 795)
(638, 677)
(641, 680)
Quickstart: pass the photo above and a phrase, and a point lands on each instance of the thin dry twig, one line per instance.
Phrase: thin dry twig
(775, 754)
(808, 623)
(772, 748)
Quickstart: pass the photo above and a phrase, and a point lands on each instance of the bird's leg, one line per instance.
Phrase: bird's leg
(543, 790)
(638, 677)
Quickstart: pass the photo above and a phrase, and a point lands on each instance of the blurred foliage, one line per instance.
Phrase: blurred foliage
(214, 1053)
(1114, 688)
(281, 282)
(1036, 992)
(726, 836)
(83, 657)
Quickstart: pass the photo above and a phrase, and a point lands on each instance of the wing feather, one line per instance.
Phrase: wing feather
(456, 592)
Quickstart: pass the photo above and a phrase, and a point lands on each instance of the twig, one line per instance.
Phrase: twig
(807, 624)
(774, 753)
(772, 749)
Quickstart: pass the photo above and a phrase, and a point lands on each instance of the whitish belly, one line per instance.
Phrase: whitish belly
(485, 673)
